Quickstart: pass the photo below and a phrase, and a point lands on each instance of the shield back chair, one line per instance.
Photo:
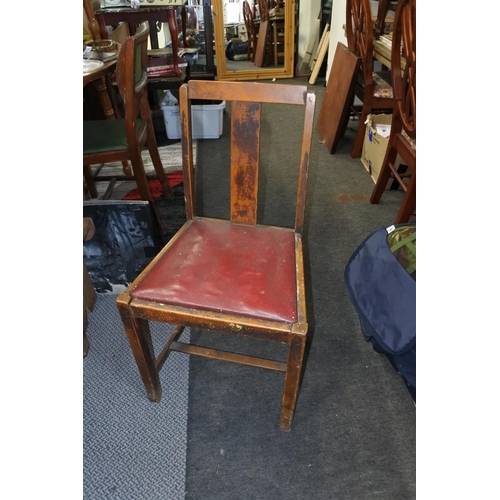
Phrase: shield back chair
(251, 30)
(402, 140)
(123, 140)
(369, 87)
(187, 283)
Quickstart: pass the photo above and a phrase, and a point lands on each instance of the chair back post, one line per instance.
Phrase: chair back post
(359, 31)
(187, 151)
(404, 82)
(131, 77)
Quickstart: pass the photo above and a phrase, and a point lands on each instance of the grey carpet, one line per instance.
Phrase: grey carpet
(353, 436)
(132, 448)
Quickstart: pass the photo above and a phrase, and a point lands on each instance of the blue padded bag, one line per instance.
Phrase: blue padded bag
(384, 296)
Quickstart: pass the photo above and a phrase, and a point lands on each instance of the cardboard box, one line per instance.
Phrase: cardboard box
(378, 129)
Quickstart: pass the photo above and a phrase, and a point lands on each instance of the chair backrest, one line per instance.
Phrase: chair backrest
(404, 51)
(248, 17)
(359, 31)
(246, 100)
(263, 10)
(131, 72)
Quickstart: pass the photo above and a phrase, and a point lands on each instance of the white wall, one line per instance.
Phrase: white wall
(337, 32)
(308, 13)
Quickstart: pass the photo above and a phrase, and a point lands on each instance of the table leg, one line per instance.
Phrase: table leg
(275, 34)
(174, 35)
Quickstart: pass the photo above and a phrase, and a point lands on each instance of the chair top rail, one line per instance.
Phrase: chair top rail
(248, 92)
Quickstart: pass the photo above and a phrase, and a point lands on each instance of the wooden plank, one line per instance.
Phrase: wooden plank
(245, 147)
(319, 62)
(339, 91)
(326, 32)
(260, 51)
(232, 357)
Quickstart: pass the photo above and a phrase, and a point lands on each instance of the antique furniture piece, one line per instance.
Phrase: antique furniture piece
(370, 88)
(286, 15)
(152, 16)
(335, 108)
(251, 30)
(123, 140)
(402, 140)
(384, 6)
(233, 276)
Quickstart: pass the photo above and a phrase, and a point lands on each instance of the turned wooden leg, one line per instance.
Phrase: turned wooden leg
(137, 334)
(292, 378)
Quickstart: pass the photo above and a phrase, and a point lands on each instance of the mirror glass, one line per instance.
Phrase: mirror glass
(253, 39)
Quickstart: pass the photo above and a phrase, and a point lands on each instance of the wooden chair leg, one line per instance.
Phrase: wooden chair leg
(384, 175)
(143, 186)
(292, 379)
(408, 204)
(87, 174)
(137, 334)
(360, 136)
(155, 158)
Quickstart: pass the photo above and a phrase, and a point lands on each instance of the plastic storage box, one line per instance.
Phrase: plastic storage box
(206, 119)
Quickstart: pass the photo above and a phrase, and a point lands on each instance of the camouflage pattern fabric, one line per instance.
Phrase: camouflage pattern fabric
(403, 244)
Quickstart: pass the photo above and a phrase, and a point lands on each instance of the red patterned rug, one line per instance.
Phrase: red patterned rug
(174, 179)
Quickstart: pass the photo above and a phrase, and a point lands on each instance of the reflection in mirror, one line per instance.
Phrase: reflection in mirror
(254, 39)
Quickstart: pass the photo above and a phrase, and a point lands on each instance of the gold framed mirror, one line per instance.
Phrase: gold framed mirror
(275, 58)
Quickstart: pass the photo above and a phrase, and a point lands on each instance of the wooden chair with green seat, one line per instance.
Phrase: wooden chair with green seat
(233, 276)
(123, 140)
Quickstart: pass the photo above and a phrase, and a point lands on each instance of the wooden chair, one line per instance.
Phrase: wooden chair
(369, 87)
(251, 30)
(402, 140)
(233, 276)
(123, 140)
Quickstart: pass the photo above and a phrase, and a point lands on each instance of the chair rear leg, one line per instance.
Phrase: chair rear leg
(384, 175)
(143, 187)
(408, 204)
(138, 336)
(292, 379)
(87, 174)
(358, 143)
(155, 158)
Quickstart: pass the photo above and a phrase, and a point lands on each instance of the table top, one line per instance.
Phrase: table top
(107, 67)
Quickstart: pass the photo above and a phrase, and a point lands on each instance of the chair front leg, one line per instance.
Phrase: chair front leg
(292, 379)
(137, 334)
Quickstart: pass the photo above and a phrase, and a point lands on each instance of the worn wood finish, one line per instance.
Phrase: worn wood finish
(245, 148)
(133, 89)
(339, 93)
(187, 153)
(250, 92)
(305, 157)
(136, 313)
(232, 357)
(404, 118)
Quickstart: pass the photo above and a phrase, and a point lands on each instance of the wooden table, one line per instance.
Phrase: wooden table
(98, 77)
(151, 15)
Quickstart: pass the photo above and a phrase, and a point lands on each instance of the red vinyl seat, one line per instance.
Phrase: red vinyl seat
(216, 265)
